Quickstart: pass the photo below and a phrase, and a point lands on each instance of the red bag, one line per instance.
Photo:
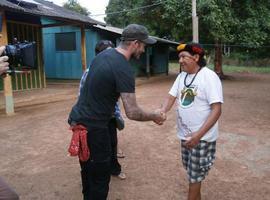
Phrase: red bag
(78, 144)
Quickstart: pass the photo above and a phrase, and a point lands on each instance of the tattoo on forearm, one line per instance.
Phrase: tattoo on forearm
(133, 111)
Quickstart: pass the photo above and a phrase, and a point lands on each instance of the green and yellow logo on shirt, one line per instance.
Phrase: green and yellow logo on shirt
(188, 96)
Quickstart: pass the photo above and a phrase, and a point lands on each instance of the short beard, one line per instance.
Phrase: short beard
(136, 56)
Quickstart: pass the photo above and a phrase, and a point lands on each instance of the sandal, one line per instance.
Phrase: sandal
(121, 176)
(120, 155)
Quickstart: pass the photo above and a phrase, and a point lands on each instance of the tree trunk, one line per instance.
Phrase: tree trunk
(218, 59)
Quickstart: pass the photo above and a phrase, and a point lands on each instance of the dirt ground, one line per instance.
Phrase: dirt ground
(34, 145)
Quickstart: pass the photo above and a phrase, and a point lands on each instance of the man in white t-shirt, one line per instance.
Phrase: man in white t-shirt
(198, 93)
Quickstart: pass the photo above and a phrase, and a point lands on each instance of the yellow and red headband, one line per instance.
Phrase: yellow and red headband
(192, 48)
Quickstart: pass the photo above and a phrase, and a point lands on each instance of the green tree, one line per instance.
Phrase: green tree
(216, 23)
(227, 21)
(116, 12)
(75, 6)
(253, 27)
(254, 21)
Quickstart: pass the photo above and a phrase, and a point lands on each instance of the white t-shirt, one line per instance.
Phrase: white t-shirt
(194, 102)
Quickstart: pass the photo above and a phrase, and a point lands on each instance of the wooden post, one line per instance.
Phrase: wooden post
(7, 80)
(195, 24)
(83, 48)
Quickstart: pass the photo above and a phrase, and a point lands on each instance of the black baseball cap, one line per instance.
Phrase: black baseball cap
(137, 32)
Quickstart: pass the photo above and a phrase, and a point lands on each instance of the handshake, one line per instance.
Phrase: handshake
(160, 116)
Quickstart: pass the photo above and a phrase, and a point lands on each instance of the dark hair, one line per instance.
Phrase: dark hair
(201, 62)
(102, 45)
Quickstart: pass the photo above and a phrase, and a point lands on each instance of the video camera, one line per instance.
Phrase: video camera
(21, 55)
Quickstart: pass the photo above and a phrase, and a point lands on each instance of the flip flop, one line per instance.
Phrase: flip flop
(120, 155)
(121, 176)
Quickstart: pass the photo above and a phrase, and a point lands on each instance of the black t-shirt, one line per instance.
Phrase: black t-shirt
(109, 75)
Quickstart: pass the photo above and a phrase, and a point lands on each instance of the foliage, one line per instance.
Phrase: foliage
(75, 6)
(245, 22)
(216, 21)
(253, 28)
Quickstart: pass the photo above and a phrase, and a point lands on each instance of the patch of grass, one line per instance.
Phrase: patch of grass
(249, 69)
(174, 65)
(232, 69)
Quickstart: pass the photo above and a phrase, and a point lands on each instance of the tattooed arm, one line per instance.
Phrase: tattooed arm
(134, 112)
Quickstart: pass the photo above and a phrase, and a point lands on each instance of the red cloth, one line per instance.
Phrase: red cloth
(78, 144)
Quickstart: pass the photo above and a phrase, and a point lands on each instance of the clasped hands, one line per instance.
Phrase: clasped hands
(160, 116)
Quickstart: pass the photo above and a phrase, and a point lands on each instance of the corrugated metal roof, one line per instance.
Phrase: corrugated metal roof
(119, 31)
(46, 8)
(110, 29)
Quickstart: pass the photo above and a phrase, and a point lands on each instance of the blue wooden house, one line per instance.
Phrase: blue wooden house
(63, 50)
(155, 60)
(64, 62)
(25, 20)
(66, 41)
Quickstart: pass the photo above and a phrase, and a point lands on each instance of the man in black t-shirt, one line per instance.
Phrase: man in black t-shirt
(110, 76)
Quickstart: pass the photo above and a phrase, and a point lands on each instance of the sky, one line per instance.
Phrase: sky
(93, 6)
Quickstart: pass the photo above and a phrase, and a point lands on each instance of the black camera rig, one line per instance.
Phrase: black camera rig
(22, 56)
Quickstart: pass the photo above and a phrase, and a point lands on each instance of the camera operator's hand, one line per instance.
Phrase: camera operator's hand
(3, 61)
(160, 117)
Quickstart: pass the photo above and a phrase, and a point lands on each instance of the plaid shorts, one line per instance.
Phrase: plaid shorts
(198, 161)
